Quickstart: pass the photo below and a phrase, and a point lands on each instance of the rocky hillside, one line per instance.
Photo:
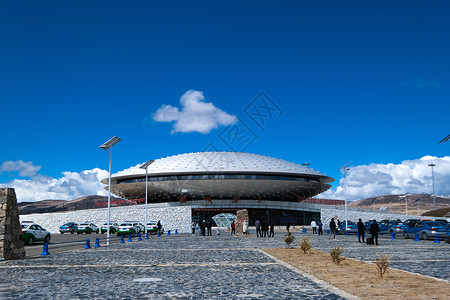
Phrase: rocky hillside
(397, 203)
(45, 206)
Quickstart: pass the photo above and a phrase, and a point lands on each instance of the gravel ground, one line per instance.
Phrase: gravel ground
(195, 267)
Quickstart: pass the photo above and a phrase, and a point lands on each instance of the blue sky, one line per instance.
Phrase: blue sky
(354, 81)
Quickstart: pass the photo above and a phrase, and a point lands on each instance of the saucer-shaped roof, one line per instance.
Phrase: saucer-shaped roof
(222, 162)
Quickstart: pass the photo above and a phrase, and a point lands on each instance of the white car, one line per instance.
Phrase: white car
(87, 228)
(113, 227)
(152, 227)
(129, 227)
(32, 232)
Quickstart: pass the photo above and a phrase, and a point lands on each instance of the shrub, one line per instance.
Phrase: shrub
(305, 245)
(289, 239)
(336, 255)
(382, 265)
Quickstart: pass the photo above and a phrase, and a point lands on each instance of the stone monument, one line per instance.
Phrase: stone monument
(241, 216)
(11, 245)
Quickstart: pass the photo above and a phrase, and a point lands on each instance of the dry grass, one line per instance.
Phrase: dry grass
(361, 279)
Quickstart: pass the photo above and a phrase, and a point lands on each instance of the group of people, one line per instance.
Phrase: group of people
(263, 229)
(334, 229)
(205, 227)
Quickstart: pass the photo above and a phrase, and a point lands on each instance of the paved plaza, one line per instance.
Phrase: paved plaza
(196, 267)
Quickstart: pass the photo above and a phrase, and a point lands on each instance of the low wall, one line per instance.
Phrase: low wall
(171, 217)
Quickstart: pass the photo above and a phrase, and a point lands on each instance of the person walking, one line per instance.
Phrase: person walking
(320, 228)
(208, 227)
(314, 227)
(258, 227)
(203, 227)
(159, 227)
(233, 228)
(245, 228)
(332, 229)
(360, 230)
(265, 229)
(374, 229)
(193, 225)
(288, 226)
(272, 227)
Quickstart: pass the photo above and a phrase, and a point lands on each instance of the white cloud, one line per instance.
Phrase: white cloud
(25, 169)
(196, 115)
(412, 176)
(70, 186)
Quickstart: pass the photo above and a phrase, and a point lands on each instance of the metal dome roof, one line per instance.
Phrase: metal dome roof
(222, 162)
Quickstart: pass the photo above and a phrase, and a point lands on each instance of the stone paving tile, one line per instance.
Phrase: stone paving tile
(221, 267)
(195, 267)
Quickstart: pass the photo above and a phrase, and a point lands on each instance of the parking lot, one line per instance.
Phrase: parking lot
(200, 267)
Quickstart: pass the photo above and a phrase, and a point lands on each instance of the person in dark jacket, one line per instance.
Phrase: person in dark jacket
(272, 226)
(360, 230)
(374, 229)
(203, 227)
(332, 229)
(320, 232)
(208, 227)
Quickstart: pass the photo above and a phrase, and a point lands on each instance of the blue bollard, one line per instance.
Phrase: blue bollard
(176, 231)
(417, 238)
(139, 237)
(304, 230)
(393, 236)
(88, 244)
(97, 243)
(346, 233)
(328, 231)
(357, 234)
(436, 239)
(45, 250)
(168, 232)
(159, 234)
(121, 239)
(129, 238)
(146, 235)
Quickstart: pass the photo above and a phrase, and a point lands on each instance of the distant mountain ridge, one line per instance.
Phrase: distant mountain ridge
(418, 204)
(45, 206)
(388, 202)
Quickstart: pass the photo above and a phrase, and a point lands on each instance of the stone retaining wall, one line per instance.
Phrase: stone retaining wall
(171, 217)
(11, 245)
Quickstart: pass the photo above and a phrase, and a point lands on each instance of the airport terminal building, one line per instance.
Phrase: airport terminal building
(224, 182)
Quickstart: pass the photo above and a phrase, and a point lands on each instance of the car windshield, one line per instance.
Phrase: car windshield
(126, 224)
(23, 226)
(84, 224)
(68, 224)
(433, 223)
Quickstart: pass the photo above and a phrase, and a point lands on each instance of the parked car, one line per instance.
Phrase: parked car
(87, 228)
(129, 227)
(68, 227)
(411, 222)
(113, 227)
(425, 230)
(443, 221)
(392, 226)
(32, 232)
(352, 227)
(152, 227)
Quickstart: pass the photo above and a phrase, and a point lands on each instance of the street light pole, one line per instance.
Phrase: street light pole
(432, 179)
(145, 166)
(107, 146)
(345, 194)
